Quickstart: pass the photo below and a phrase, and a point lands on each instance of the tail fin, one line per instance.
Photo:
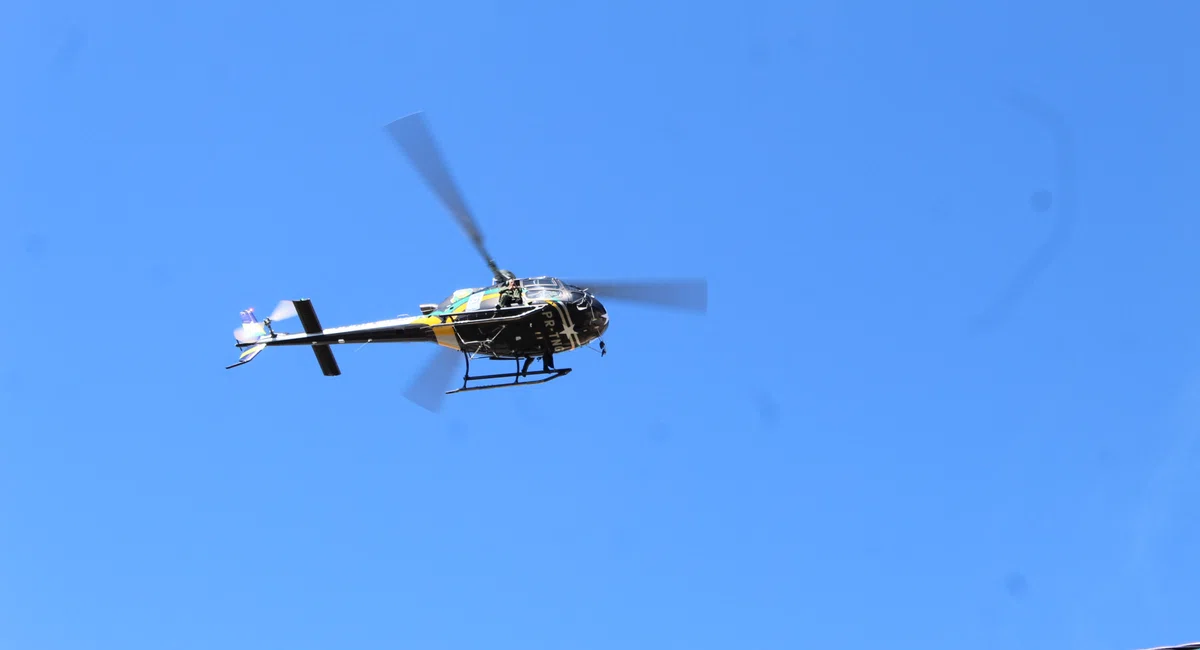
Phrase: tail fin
(251, 330)
(248, 355)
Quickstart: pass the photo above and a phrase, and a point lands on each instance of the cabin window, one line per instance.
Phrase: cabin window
(473, 302)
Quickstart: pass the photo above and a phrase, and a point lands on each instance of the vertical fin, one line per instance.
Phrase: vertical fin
(251, 330)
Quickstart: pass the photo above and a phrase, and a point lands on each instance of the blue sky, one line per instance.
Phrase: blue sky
(841, 451)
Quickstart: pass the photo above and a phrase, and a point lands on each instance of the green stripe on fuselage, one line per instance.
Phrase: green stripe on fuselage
(454, 305)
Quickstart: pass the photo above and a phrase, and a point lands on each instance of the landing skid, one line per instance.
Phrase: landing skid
(550, 373)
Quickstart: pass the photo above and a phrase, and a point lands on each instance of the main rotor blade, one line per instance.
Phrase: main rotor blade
(688, 294)
(413, 135)
(429, 388)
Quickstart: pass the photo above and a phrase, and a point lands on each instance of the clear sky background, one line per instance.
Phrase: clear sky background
(920, 409)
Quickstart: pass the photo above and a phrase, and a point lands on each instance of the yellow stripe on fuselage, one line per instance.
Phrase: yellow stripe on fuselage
(445, 336)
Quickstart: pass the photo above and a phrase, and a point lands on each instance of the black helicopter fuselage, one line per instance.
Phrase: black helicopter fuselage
(545, 317)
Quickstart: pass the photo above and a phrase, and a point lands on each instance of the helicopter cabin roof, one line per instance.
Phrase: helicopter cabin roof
(540, 287)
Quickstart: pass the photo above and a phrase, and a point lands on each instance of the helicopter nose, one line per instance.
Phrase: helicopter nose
(599, 317)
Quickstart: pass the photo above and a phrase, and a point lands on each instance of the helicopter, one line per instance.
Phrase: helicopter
(518, 320)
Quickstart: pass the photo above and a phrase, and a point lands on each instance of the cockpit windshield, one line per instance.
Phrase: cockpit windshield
(550, 283)
(545, 288)
(542, 288)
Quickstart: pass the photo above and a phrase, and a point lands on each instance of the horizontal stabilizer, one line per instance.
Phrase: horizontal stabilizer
(329, 365)
(308, 316)
(312, 326)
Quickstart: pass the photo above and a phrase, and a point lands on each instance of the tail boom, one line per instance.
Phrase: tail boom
(254, 336)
